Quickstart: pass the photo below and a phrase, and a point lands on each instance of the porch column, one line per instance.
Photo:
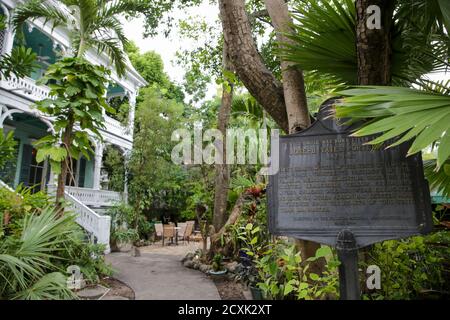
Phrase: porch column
(98, 165)
(9, 34)
(132, 102)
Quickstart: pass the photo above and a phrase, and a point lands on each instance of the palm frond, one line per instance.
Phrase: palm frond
(36, 9)
(52, 286)
(110, 26)
(117, 7)
(439, 180)
(324, 40)
(25, 260)
(409, 114)
(113, 48)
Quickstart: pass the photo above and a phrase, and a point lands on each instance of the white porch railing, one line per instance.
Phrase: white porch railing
(25, 87)
(94, 223)
(98, 198)
(91, 221)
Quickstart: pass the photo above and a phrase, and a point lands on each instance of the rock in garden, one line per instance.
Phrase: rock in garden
(187, 257)
(189, 264)
(231, 267)
(205, 268)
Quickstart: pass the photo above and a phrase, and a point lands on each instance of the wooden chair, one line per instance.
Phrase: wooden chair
(168, 232)
(188, 231)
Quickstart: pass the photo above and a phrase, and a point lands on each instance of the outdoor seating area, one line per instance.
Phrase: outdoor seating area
(172, 234)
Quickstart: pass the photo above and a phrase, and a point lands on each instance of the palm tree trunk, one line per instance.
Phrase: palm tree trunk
(374, 47)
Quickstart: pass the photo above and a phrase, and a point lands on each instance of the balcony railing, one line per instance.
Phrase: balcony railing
(97, 198)
(115, 127)
(25, 87)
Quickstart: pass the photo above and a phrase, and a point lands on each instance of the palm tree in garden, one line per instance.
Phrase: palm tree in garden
(92, 25)
(414, 108)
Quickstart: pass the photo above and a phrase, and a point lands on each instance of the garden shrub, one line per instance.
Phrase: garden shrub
(37, 245)
(412, 268)
(7, 147)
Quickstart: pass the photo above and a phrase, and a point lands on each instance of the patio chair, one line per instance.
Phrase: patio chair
(168, 232)
(182, 226)
(159, 230)
(188, 230)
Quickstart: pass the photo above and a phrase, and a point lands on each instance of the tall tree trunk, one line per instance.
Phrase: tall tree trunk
(222, 180)
(66, 142)
(248, 63)
(296, 103)
(373, 44)
(293, 82)
(374, 50)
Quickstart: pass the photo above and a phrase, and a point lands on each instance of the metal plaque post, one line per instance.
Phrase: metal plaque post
(348, 269)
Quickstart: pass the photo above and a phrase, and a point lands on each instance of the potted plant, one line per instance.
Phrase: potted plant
(252, 279)
(217, 266)
(123, 239)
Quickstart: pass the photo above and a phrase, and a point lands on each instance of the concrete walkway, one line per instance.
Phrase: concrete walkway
(159, 275)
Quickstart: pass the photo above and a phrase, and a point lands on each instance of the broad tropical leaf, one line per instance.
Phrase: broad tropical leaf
(25, 261)
(410, 114)
(439, 179)
(51, 286)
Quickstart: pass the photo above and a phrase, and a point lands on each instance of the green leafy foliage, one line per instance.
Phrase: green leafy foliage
(19, 63)
(25, 261)
(283, 275)
(7, 147)
(439, 179)
(421, 117)
(37, 245)
(77, 89)
(409, 113)
(203, 63)
(121, 108)
(155, 182)
(114, 165)
(413, 268)
(128, 225)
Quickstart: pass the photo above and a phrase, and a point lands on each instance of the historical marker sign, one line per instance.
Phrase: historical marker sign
(329, 182)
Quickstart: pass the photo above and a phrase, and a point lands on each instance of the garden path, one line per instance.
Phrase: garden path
(159, 275)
